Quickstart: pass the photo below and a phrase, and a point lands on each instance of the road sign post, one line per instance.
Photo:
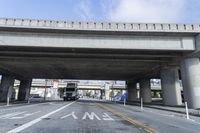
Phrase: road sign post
(45, 90)
(141, 104)
(29, 100)
(8, 101)
(187, 112)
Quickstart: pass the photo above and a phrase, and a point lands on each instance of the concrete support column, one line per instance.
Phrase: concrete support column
(101, 94)
(170, 85)
(24, 89)
(190, 73)
(6, 87)
(145, 90)
(107, 91)
(132, 91)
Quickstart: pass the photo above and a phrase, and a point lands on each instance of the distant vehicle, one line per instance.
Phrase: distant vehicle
(71, 92)
(35, 96)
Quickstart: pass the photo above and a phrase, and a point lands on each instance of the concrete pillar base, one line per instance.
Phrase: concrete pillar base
(171, 90)
(132, 91)
(145, 90)
(6, 87)
(107, 91)
(190, 73)
(101, 94)
(24, 90)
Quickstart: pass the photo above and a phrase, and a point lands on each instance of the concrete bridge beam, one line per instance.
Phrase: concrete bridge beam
(6, 87)
(145, 90)
(170, 85)
(190, 73)
(24, 89)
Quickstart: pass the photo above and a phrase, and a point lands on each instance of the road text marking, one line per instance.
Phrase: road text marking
(71, 114)
(90, 116)
(106, 117)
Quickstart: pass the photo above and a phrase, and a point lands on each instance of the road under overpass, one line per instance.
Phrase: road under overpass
(102, 51)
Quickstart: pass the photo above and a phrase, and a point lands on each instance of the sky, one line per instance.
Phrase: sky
(146, 11)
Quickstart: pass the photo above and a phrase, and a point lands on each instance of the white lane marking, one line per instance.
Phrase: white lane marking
(24, 115)
(90, 116)
(106, 117)
(53, 103)
(31, 123)
(7, 116)
(24, 106)
(71, 114)
(168, 115)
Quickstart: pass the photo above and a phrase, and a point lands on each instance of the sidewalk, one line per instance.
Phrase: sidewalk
(32, 101)
(176, 109)
(180, 109)
(2, 104)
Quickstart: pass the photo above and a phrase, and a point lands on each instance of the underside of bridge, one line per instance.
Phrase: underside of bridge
(94, 64)
(102, 51)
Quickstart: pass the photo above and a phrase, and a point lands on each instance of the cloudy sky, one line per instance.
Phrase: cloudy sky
(159, 11)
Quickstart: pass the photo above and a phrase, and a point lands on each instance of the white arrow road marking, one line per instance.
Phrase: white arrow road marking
(7, 116)
(24, 115)
(106, 117)
(31, 123)
(71, 114)
(90, 116)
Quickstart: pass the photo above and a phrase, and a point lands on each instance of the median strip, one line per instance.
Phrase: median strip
(126, 118)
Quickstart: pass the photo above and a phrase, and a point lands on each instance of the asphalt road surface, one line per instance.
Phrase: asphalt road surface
(84, 116)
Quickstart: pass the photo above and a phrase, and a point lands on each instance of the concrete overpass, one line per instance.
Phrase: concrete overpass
(111, 51)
